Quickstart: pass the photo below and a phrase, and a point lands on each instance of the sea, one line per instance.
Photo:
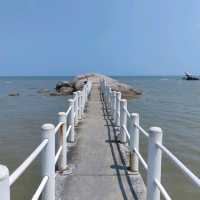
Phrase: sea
(167, 102)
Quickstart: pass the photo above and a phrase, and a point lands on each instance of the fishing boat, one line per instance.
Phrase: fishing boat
(190, 77)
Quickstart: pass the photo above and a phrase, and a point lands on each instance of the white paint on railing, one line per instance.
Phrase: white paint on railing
(126, 110)
(68, 132)
(48, 161)
(62, 163)
(126, 132)
(58, 126)
(19, 171)
(141, 159)
(68, 111)
(123, 122)
(71, 121)
(118, 99)
(58, 154)
(4, 183)
(154, 163)
(41, 187)
(79, 105)
(134, 142)
(162, 190)
(195, 180)
(114, 107)
(141, 130)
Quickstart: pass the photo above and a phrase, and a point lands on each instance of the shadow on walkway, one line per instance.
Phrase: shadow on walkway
(120, 166)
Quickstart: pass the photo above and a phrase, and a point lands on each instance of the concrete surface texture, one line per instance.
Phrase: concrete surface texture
(98, 161)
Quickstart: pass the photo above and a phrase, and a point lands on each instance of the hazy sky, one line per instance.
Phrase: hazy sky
(119, 37)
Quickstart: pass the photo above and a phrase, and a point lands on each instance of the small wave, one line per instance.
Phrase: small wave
(7, 82)
(164, 79)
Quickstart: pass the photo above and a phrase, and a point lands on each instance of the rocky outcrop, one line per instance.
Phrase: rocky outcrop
(13, 94)
(66, 88)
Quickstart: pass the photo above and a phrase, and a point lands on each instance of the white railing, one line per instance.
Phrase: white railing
(65, 132)
(117, 108)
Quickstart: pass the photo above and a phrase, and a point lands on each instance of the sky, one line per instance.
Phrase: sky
(115, 37)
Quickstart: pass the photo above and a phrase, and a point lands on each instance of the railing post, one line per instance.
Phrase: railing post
(107, 97)
(83, 98)
(82, 106)
(118, 99)
(79, 105)
(104, 86)
(86, 88)
(123, 120)
(75, 96)
(62, 163)
(71, 121)
(48, 161)
(110, 100)
(154, 163)
(114, 107)
(134, 142)
(4, 183)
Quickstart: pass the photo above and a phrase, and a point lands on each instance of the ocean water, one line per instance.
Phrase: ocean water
(21, 119)
(174, 105)
(168, 102)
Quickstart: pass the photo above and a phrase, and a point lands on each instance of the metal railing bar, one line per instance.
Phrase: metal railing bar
(68, 111)
(142, 130)
(128, 113)
(41, 187)
(68, 131)
(58, 127)
(180, 165)
(162, 190)
(126, 131)
(141, 159)
(20, 170)
(58, 154)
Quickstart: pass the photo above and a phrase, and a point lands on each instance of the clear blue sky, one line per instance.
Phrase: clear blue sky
(118, 37)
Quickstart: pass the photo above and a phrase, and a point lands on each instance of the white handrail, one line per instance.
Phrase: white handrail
(58, 154)
(68, 131)
(41, 187)
(68, 111)
(126, 131)
(141, 159)
(128, 113)
(19, 171)
(180, 165)
(142, 130)
(162, 190)
(58, 126)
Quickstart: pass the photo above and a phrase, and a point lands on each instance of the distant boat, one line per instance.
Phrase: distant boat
(190, 77)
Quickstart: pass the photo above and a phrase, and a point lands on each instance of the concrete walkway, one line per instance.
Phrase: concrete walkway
(99, 167)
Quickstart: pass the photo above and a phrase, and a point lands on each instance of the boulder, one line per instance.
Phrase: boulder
(54, 94)
(67, 88)
(14, 94)
(126, 90)
(44, 91)
(61, 84)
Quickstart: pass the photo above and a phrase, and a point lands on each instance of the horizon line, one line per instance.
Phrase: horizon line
(86, 73)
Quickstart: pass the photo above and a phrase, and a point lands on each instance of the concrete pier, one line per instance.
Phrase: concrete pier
(98, 161)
